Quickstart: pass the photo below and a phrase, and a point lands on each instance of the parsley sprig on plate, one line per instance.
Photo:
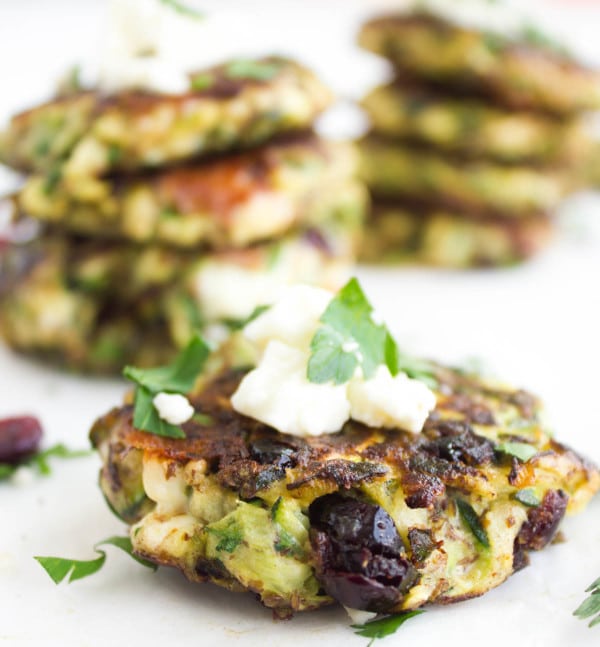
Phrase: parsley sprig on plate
(58, 568)
(591, 605)
(350, 337)
(178, 377)
(384, 626)
(40, 460)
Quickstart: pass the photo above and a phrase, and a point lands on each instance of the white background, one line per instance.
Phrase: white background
(537, 325)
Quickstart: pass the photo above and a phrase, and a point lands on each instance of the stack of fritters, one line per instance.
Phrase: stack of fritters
(473, 144)
(160, 214)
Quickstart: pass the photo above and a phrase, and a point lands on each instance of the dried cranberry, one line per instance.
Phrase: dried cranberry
(19, 438)
(360, 556)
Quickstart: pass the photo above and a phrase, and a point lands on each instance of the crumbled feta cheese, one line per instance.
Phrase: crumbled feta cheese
(390, 401)
(152, 46)
(226, 291)
(165, 486)
(173, 408)
(358, 616)
(293, 319)
(215, 334)
(278, 393)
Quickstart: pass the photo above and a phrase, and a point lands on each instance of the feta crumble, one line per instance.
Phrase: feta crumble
(173, 408)
(358, 616)
(278, 392)
(390, 401)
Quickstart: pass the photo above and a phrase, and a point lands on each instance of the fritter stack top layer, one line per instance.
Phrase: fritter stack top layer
(476, 125)
(159, 214)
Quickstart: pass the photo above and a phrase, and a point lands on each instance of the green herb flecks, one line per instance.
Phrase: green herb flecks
(528, 497)
(229, 538)
(52, 180)
(534, 36)
(238, 324)
(203, 419)
(285, 543)
(591, 605)
(201, 82)
(471, 519)
(58, 568)
(385, 626)
(39, 460)
(114, 154)
(522, 451)
(178, 377)
(183, 8)
(146, 418)
(253, 70)
(350, 338)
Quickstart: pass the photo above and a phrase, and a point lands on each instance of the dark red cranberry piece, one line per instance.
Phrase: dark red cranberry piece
(19, 437)
(360, 557)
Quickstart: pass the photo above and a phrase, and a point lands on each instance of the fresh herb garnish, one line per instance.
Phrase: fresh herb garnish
(178, 377)
(527, 497)
(522, 451)
(39, 460)
(254, 70)
(532, 35)
(591, 605)
(53, 178)
(201, 82)
(58, 567)
(229, 538)
(238, 324)
(385, 626)
(182, 8)
(471, 519)
(203, 419)
(114, 154)
(350, 338)
(286, 542)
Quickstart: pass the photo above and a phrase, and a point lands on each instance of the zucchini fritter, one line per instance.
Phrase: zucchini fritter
(400, 233)
(95, 306)
(86, 135)
(234, 200)
(382, 520)
(522, 74)
(478, 187)
(471, 126)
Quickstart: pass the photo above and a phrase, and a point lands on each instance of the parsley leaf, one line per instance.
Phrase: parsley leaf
(178, 377)
(254, 70)
(145, 416)
(527, 497)
(385, 626)
(591, 605)
(534, 36)
(39, 460)
(229, 538)
(471, 519)
(201, 82)
(58, 568)
(522, 451)
(183, 8)
(350, 338)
